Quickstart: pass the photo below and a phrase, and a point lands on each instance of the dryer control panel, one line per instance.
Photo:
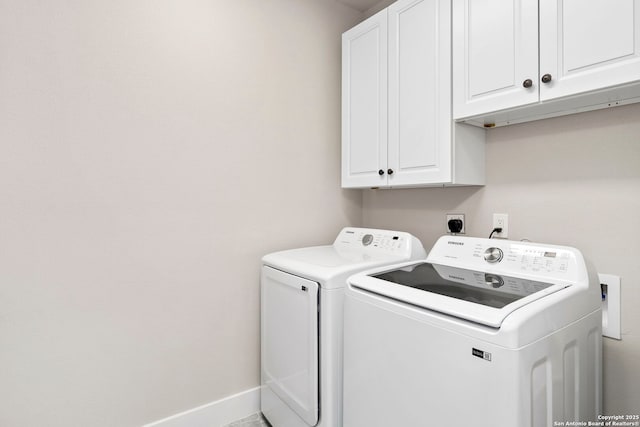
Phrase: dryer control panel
(372, 241)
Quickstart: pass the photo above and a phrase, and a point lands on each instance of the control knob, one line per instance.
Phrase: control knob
(493, 255)
(367, 239)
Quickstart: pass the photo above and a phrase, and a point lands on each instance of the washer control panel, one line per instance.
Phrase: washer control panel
(506, 256)
(535, 259)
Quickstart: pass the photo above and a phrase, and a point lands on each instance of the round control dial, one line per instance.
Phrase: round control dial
(367, 239)
(493, 255)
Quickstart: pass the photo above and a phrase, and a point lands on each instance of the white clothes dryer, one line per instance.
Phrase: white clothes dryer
(302, 293)
(484, 333)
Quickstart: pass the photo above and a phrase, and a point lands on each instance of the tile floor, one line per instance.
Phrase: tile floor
(255, 420)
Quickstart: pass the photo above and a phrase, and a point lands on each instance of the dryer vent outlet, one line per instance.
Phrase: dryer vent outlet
(455, 223)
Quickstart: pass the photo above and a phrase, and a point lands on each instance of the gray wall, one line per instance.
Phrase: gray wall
(571, 180)
(150, 153)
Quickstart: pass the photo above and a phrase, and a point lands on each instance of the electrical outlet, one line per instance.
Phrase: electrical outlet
(501, 221)
(455, 227)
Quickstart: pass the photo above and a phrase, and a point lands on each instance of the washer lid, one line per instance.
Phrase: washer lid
(478, 296)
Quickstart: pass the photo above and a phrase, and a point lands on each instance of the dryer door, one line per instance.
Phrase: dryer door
(289, 332)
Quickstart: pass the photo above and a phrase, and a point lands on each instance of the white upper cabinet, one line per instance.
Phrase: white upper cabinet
(528, 59)
(397, 129)
(495, 51)
(419, 100)
(587, 45)
(364, 103)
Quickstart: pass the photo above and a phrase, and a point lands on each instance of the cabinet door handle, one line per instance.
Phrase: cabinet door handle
(380, 172)
(527, 83)
(546, 78)
(390, 171)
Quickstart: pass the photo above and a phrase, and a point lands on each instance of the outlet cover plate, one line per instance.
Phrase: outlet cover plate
(501, 220)
(455, 216)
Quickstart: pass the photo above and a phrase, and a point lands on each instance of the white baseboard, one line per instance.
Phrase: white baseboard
(214, 414)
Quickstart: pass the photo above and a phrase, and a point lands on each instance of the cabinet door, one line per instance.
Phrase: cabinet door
(588, 45)
(495, 50)
(364, 103)
(419, 92)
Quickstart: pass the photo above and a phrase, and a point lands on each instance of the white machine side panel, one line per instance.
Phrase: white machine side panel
(400, 371)
(561, 374)
(290, 341)
(447, 378)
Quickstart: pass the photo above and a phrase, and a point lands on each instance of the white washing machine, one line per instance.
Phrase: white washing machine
(302, 294)
(484, 333)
